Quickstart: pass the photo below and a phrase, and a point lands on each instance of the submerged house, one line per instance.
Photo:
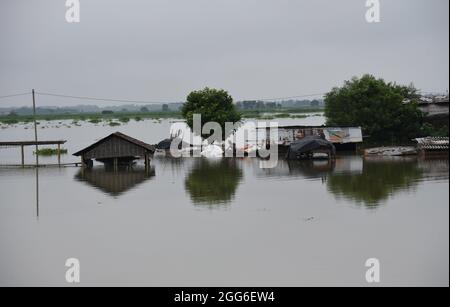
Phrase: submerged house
(343, 138)
(116, 149)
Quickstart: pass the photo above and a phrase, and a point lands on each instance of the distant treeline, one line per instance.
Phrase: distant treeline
(108, 115)
(156, 108)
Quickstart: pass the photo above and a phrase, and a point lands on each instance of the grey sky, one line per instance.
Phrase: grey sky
(161, 50)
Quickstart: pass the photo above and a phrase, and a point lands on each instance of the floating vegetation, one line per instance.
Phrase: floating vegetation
(10, 121)
(138, 118)
(124, 119)
(50, 151)
(282, 115)
(266, 117)
(95, 120)
(114, 124)
(299, 116)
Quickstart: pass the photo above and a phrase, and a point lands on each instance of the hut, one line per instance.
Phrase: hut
(116, 149)
(309, 146)
(343, 138)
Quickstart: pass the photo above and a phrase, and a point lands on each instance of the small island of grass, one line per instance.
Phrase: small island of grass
(50, 152)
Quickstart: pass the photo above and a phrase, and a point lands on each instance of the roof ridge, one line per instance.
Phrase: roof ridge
(122, 136)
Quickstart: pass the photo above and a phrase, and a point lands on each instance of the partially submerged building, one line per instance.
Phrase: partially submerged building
(116, 149)
(343, 138)
(436, 110)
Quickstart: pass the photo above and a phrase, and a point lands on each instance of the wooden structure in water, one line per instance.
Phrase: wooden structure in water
(22, 145)
(433, 144)
(343, 138)
(116, 149)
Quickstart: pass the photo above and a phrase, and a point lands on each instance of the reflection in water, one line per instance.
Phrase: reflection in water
(167, 164)
(311, 168)
(213, 182)
(362, 180)
(379, 180)
(114, 182)
(37, 192)
(293, 169)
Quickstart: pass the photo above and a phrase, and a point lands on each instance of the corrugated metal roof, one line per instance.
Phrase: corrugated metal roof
(119, 135)
(307, 127)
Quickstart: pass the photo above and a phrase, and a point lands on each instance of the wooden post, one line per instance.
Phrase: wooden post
(35, 128)
(59, 155)
(37, 192)
(115, 164)
(23, 156)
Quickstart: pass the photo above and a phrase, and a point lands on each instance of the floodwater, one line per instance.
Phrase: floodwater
(220, 222)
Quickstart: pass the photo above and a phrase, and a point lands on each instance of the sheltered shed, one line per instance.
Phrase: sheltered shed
(343, 138)
(116, 149)
(308, 146)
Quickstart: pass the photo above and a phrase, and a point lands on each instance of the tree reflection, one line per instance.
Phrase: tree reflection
(293, 169)
(213, 182)
(378, 181)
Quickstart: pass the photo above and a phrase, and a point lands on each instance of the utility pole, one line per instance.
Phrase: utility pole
(37, 157)
(35, 128)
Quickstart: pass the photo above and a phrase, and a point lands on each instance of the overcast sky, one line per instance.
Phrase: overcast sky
(161, 50)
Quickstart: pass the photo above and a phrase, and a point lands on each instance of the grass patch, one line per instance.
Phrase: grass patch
(10, 121)
(299, 116)
(50, 152)
(267, 117)
(114, 124)
(282, 115)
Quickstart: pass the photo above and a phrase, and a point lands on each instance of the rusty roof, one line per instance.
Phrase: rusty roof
(125, 137)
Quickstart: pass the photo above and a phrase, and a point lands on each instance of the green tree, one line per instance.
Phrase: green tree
(214, 105)
(385, 111)
(165, 107)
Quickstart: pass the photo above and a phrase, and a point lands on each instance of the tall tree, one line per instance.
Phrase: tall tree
(214, 105)
(385, 111)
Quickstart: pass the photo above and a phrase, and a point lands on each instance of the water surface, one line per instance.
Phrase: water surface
(222, 222)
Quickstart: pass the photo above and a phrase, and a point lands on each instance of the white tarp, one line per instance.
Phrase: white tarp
(212, 151)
